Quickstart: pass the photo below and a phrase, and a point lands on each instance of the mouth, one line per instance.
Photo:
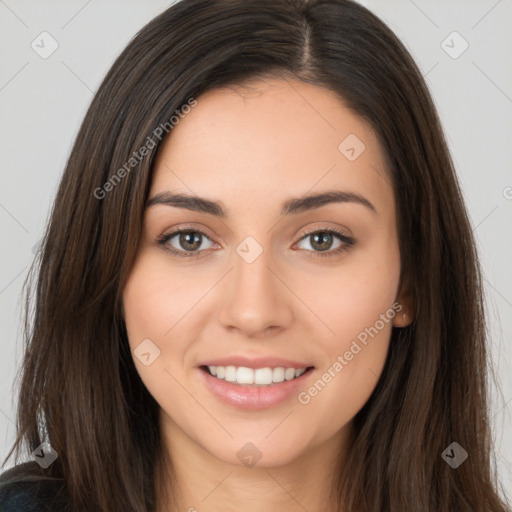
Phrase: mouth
(263, 377)
(255, 383)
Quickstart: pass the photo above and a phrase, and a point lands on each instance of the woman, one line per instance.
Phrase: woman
(257, 281)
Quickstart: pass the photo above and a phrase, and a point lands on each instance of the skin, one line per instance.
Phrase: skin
(251, 150)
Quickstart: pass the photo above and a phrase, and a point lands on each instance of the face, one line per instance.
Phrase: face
(270, 256)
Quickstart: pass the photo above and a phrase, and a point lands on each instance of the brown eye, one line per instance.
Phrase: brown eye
(321, 241)
(189, 240)
(326, 242)
(185, 242)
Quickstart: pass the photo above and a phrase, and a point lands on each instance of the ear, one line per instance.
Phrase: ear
(405, 312)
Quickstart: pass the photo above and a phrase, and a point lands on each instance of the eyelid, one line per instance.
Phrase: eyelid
(322, 229)
(188, 227)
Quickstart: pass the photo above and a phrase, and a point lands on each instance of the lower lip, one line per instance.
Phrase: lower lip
(254, 398)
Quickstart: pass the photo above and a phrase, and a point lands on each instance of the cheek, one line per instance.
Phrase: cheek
(358, 306)
(152, 312)
(155, 299)
(163, 304)
(144, 307)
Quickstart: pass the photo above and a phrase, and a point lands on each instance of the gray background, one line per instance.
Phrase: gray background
(42, 102)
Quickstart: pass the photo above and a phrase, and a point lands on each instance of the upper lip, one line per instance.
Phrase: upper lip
(255, 362)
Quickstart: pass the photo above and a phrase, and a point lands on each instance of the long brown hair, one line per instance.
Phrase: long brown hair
(78, 379)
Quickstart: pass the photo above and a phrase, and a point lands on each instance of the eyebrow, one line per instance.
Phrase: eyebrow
(296, 205)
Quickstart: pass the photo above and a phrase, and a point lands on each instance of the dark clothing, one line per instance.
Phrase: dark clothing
(23, 490)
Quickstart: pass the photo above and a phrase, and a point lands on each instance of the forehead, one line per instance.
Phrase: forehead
(271, 139)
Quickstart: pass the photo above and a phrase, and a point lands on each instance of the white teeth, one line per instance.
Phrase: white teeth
(245, 375)
(278, 374)
(259, 377)
(263, 376)
(230, 373)
(289, 373)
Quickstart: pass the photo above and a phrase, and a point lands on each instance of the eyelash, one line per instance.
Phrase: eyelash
(347, 242)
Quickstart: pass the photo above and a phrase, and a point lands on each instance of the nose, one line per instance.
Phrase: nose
(256, 301)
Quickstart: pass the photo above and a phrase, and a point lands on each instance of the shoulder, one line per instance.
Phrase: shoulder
(25, 488)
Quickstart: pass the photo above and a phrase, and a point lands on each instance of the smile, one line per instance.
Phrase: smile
(257, 377)
(258, 388)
